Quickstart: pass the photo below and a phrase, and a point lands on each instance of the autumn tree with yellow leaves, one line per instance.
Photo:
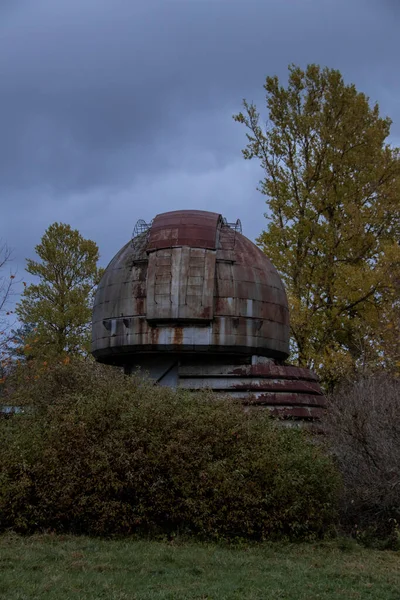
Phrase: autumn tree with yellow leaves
(59, 305)
(332, 187)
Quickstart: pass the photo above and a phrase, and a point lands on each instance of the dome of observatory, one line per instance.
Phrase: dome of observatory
(189, 283)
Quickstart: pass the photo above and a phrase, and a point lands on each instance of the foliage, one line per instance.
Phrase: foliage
(19, 339)
(60, 304)
(363, 427)
(99, 453)
(332, 187)
(65, 567)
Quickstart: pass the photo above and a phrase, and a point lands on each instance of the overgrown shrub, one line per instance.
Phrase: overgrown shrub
(102, 454)
(363, 428)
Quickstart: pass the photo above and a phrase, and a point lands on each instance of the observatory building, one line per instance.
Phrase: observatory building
(193, 303)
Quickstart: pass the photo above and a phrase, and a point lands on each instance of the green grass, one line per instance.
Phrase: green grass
(52, 567)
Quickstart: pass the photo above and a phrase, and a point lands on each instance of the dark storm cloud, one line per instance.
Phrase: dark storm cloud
(113, 110)
(92, 91)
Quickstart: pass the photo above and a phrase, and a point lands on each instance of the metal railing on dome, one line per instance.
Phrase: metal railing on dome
(237, 227)
(228, 240)
(140, 228)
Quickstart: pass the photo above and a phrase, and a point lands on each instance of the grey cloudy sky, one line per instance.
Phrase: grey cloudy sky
(114, 110)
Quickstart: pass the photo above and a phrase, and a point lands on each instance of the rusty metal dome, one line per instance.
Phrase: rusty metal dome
(192, 303)
(189, 282)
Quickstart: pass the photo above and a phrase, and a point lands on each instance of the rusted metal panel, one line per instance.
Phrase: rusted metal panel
(249, 385)
(173, 292)
(198, 283)
(266, 370)
(223, 335)
(281, 399)
(283, 371)
(122, 290)
(193, 228)
(160, 293)
(247, 307)
(286, 391)
(284, 385)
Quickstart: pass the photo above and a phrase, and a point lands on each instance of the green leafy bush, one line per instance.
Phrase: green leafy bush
(102, 454)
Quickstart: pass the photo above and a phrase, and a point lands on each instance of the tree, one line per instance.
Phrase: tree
(59, 305)
(332, 187)
(363, 430)
(6, 292)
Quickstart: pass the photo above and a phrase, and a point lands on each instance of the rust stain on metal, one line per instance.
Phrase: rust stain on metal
(154, 334)
(178, 335)
(140, 301)
(280, 385)
(273, 370)
(283, 398)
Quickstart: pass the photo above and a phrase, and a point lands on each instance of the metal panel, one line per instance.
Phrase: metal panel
(288, 392)
(173, 292)
(266, 370)
(251, 384)
(194, 228)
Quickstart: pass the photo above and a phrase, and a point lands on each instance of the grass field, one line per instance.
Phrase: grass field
(61, 568)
